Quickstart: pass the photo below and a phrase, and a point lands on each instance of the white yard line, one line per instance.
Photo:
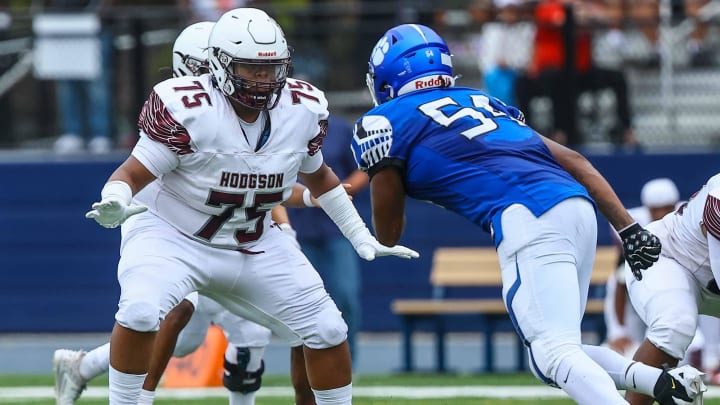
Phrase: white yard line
(15, 393)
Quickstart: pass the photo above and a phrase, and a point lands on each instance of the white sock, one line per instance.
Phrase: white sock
(585, 381)
(146, 397)
(335, 396)
(627, 374)
(125, 388)
(238, 398)
(95, 362)
(640, 377)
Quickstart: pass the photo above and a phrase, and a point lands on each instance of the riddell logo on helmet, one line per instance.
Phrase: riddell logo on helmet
(271, 53)
(436, 81)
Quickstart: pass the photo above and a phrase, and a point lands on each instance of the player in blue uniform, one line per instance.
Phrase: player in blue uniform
(472, 154)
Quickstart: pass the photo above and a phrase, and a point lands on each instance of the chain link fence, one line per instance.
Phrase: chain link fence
(669, 57)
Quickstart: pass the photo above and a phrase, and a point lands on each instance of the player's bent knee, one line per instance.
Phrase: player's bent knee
(673, 336)
(236, 377)
(179, 316)
(331, 329)
(140, 317)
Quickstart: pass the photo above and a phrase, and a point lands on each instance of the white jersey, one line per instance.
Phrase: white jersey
(641, 215)
(215, 184)
(681, 232)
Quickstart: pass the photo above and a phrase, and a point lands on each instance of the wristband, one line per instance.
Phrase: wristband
(118, 189)
(285, 226)
(307, 198)
(632, 228)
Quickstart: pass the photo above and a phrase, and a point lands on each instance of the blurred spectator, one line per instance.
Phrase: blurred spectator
(550, 75)
(697, 46)
(85, 104)
(208, 10)
(6, 62)
(376, 16)
(645, 18)
(332, 254)
(505, 49)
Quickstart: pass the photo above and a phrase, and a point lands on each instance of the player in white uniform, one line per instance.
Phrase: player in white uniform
(226, 148)
(625, 329)
(682, 283)
(247, 340)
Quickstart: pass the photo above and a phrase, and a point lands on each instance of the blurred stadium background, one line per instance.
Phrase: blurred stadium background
(57, 270)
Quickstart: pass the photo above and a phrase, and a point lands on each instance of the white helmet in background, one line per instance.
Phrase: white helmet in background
(190, 55)
(660, 192)
(248, 41)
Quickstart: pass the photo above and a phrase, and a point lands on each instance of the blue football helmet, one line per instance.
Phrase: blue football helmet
(408, 57)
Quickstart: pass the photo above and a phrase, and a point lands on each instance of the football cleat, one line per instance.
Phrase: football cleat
(69, 384)
(680, 385)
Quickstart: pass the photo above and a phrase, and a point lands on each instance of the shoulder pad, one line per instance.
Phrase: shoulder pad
(186, 95)
(713, 182)
(298, 93)
(170, 107)
(372, 140)
(711, 212)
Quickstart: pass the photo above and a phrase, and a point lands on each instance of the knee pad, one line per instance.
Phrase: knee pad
(330, 329)
(237, 379)
(673, 333)
(139, 316)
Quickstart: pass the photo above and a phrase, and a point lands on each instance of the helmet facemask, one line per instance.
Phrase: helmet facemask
(254, 83)
(191, 66)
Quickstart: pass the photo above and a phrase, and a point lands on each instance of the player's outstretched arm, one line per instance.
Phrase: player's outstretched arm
(335, 201)
(116, 196)
(641, 247)
(388, 205)
(600, 190)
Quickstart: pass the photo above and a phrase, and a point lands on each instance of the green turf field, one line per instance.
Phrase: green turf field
(389, 381)
(356, 401)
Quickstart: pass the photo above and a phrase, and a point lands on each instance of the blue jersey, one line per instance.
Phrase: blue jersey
(463, 150)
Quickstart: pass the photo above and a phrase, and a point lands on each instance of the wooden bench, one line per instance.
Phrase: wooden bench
(479, 267)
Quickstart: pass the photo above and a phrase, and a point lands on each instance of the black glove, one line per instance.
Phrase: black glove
(641, 248)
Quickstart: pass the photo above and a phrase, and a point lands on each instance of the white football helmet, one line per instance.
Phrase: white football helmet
(190, 55)
(249, 57)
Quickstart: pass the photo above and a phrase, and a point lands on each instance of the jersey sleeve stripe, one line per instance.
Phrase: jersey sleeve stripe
(711, 216)
(157, 122)
(315, 144)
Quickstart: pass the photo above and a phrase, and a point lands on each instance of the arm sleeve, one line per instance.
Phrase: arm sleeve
(156, 157)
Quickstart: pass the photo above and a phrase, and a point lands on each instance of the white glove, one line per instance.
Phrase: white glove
(338, 207)
(369, 248)
(115, 207)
